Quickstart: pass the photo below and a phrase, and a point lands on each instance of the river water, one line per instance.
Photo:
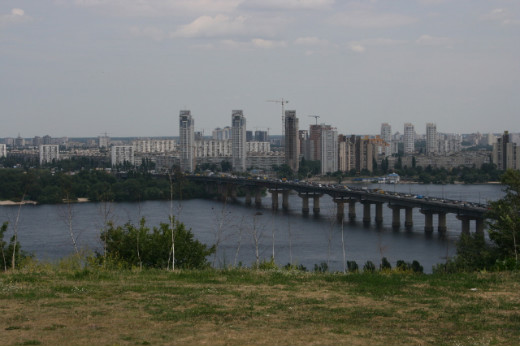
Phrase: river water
(43, 230)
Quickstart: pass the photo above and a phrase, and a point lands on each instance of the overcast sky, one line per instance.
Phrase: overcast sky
(127, 67)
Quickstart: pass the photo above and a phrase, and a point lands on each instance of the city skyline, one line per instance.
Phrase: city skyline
(82, 68)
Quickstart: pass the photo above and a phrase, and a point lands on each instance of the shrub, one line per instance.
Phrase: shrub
(369, 267)
(141, 246)
(352, 266)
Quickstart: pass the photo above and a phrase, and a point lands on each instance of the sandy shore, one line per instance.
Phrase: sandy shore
(16, 203)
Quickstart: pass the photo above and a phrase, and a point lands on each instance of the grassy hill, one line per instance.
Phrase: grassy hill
(49, 305)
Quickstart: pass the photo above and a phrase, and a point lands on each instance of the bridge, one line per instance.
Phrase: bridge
(227, 186)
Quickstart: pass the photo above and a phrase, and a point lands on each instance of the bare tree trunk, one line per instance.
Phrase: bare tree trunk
(106, 210)
(172, 252)
(15, 233)
(67, 215)
(343, 246)
(290, 240)
(239, 242)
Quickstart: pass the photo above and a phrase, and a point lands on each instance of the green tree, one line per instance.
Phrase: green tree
(504, 218)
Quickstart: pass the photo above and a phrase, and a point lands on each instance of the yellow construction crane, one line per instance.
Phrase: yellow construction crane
(283, 103)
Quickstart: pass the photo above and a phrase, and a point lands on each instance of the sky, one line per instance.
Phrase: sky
(82, 68)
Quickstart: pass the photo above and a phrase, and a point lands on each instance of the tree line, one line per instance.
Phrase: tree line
(46, 186)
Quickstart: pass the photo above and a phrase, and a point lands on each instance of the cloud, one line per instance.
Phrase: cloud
(357, 47)
(365, 19)
(16, 16)
(218, 26)
(502, 16)
(311, 41)
(287, 4)
(261, 43)
(159, 8)
(427, 40)
(228, 27)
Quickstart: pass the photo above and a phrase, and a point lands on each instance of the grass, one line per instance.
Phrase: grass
(45, 305)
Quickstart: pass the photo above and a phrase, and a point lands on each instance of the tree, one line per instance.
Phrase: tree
(504, 218)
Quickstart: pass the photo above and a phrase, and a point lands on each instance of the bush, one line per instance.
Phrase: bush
(7, 249)
(140, 246)
(352, 266)
(369, 267)
(385, 265)
(323, 267)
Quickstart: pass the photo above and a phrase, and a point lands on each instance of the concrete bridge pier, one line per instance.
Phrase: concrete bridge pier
(305, 204)
(428, 221)
(340, 209)
(479, 225)
(396, 217)
(408, 221)
(316, 204)
(465, 220)
(248, 197)
(285, 200)
(441, 228)
(233, 192)
(258, 198)
(274, 199)
(352, 210)
(379, 214)
(366, 213)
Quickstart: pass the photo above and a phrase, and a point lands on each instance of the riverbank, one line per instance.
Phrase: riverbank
(44, 305)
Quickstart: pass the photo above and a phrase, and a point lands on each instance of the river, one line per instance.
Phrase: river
(43, 229)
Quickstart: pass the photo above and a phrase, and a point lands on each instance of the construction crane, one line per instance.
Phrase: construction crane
(283, 103)
(315, 117)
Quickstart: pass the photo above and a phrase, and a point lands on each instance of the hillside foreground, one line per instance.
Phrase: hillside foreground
(47, 305)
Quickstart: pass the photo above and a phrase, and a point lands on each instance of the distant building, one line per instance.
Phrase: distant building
(49, 153)
(222, 134)
(506, 154)
(121, 154)
(104, 142)
(186, 141)
(154, 145)
(3, 150)
(37, 141)
(261, 136)
(329, 150)
(19, 142)
(292, 146)
(386, 135)
(238, 140)
(431, 138)
(249, 136)
(409, 138)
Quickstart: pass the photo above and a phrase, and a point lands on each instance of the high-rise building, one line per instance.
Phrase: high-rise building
(186, 141)
(238, 140)
(292, 146)
(49, 153)
(329, 150)
(431, 138)
(386, 135)
(409, 138)
(121, 154)
(506, 154)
